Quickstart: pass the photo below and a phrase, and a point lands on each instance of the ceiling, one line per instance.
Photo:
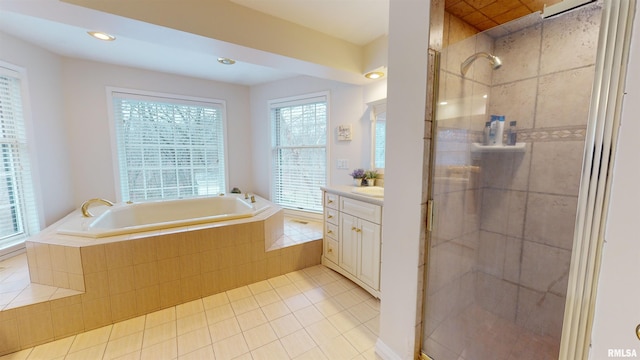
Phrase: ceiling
(61, 27)
(485, 14)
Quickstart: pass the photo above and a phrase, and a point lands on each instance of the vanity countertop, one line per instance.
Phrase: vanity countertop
(347, 191)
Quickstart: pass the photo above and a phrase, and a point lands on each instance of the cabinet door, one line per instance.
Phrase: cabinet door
(348, 253)
(369, 254)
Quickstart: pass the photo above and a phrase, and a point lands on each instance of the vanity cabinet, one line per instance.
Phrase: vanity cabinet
(352, 241)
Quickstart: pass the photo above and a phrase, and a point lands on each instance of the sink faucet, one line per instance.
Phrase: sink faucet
(85, 205)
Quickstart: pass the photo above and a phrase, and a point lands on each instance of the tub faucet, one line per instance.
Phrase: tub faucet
(85, 205)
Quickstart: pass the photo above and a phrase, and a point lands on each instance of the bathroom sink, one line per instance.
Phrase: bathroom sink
(374, 191)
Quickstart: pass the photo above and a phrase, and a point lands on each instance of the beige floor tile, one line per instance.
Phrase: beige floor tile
(361, 338)
(246, 356)
(374, 325)
(288, 291)
(322, 331)
(93, 352)
(224, 329)
(205, 353)
(127, 327)
(335, 288)
(91, 338)
(158, 334)
(299, 275)
(123, 346)
(285, 325)
(328, 307)
(135, 355)
(347, 299)
(216, 300)
(267, 297)
(160, 317)
(313, 354)
(239, 293)
(251, 319)
(244, 305)
(297, 343)
(260, 287)
(53, 349)
(191, 323)
(275, 310)
(20, 355)
(279, 281)
(220, 313)
(259, 336)
(316, 294)
(338, 348)
(309, 315)
(297, 302)
(165, 350)
(271, 351)
(343, 321)
(363, 312)
(189, 308)
(194, 340)
(231, 347)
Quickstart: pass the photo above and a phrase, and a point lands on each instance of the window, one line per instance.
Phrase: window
(299, 151)
(168, 147)
(379, 129)
(18, 215)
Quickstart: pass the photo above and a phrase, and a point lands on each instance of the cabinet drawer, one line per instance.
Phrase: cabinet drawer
(361, 209)
(331, 216)
(331, 250)
(330, 231)
(331, 200)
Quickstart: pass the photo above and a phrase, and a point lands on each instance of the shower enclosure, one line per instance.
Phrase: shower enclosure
(501, 243)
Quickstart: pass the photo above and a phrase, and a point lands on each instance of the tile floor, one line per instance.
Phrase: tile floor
(312, 313)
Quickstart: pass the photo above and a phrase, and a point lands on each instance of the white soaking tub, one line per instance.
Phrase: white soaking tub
(123, 218)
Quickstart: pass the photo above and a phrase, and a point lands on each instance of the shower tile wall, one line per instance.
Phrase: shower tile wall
(504, 221)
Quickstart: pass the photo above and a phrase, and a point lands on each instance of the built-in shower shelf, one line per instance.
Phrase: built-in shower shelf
(479, 148)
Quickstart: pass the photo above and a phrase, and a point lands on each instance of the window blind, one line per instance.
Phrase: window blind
(18, 214)
(169, 148)
(299, 152)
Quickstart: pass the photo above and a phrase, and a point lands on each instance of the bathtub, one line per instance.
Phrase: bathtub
(123, 218)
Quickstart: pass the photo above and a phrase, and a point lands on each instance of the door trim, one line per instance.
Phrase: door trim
(600, 143)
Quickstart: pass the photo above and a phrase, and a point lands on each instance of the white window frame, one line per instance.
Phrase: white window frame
(292, 101)
(31, 213)
(134, 93)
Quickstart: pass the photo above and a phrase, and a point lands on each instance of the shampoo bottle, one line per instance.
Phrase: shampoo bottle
(499, 130)
(512, 135)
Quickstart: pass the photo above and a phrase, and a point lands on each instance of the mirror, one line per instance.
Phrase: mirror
(378, 114)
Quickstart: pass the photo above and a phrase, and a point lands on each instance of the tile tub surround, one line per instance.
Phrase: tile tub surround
(129, 277)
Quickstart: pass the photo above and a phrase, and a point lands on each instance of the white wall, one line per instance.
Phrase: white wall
(87, 121)
(49, 143)
(347, 105)
(403, 210)
(618, 298)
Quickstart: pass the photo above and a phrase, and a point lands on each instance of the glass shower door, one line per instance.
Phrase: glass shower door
(500, 247)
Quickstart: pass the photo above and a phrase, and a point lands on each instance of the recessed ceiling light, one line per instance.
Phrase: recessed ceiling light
(101, 36)
(374, 75)
(226, 61)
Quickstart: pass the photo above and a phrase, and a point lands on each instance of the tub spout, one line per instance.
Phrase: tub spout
(85, 205)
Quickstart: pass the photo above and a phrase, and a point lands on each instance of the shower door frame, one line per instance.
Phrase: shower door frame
(593, 197)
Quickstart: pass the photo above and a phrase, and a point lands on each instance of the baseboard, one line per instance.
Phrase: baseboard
(385, 351)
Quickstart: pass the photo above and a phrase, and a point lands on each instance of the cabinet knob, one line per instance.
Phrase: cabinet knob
(329, 201)
(330, 251)
(329, 216)
(329, 232)
(638, 331)
(353, 228)
(358, 230)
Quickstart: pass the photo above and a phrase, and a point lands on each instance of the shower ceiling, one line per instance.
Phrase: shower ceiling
(485, 14)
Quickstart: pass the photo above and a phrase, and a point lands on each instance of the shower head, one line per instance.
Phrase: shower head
(493, 60)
